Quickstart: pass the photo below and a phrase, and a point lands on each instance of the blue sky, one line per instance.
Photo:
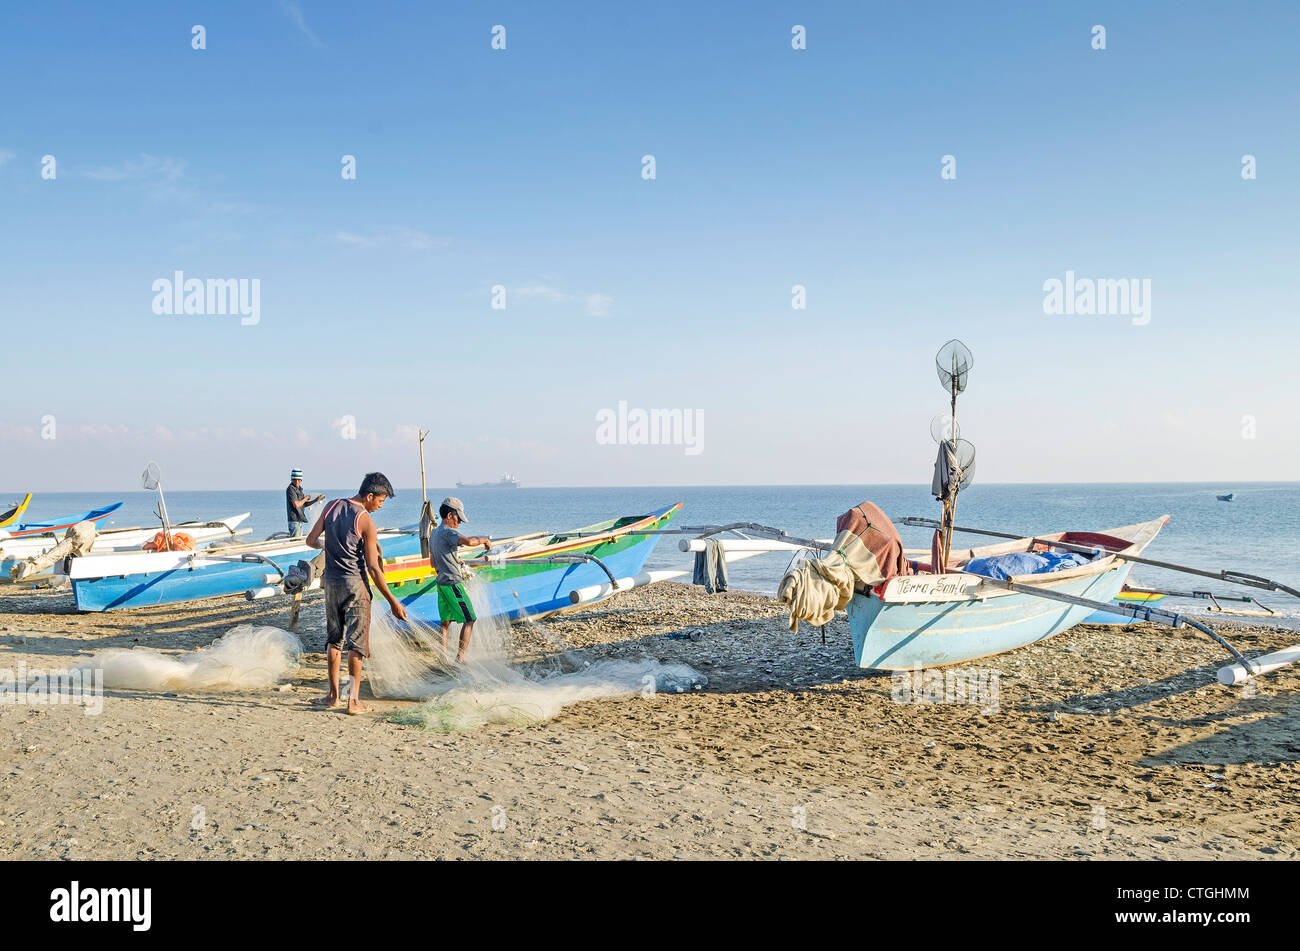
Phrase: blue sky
(522, 168)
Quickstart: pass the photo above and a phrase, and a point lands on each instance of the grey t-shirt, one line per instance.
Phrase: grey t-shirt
(443, 542)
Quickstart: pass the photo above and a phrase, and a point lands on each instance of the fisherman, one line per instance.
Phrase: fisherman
(296, 504)
(453, 602)
(347, 533)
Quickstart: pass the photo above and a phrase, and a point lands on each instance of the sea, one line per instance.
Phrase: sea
(1255, 534)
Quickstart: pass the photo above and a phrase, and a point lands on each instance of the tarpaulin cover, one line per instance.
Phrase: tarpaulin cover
(1001, 567)
(867, 552)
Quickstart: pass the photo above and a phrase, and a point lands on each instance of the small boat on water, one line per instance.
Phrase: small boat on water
(147, 579)
(123, 540)
(1230, 497)
(10, 515)
(60, 523)
(532, 575)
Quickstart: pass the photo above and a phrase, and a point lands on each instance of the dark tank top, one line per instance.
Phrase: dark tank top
(345, 552)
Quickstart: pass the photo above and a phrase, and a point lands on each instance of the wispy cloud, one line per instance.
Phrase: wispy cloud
(594, 304)
(294, 13)
(408, 239)
(164, 178)
(598, 305)
(544, 291)
(6, 155)
(355, 240)
(143, 168)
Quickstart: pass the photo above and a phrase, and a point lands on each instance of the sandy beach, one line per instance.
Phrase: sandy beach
(1106, 743)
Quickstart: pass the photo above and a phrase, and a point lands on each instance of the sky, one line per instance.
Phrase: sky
(479, 169)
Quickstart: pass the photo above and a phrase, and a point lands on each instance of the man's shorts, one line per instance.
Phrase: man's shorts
(347, 615)
(453, 604)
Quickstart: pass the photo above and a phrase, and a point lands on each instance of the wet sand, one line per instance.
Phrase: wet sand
(1105, 743)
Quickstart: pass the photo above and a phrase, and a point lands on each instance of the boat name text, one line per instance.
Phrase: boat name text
(935, 586)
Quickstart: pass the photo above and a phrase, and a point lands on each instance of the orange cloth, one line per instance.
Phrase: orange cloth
(180, 542)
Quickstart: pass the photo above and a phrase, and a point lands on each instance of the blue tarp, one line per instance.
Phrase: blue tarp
(1001, 567)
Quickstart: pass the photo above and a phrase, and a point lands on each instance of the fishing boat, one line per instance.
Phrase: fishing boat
(1126, 596)
(147, 579)
(957, 606)
(533, 575)
(1230, 497)
(507, 481)
(10, 515)
(930, 620)
(60, 523)
(13, 551)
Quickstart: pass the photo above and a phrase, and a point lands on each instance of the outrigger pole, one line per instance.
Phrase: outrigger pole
(1243, 669)
(704, 531)
(1128, 610)
(1227, 574)
(426, 513)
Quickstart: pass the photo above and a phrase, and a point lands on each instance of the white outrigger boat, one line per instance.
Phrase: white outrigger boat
(14, 551)
(911, 609)
(148, 579)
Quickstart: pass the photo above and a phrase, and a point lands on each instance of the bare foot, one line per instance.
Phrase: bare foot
(329, 700)
(356, 708)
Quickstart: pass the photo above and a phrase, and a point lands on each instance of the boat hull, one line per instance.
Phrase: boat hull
(27, 529)
(151, 580)
(9, 516)
(529, 593)
(931, 620)
(516, 591)
(932, 634)
(14, 551)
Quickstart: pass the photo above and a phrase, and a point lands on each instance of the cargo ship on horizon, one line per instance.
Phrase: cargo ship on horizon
(507, 481)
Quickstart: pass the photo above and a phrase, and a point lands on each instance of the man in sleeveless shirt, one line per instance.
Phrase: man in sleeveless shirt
(347, 533)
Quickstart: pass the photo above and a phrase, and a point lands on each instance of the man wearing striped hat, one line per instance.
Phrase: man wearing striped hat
(296, 503)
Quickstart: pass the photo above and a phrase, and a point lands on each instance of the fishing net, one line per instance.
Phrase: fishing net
(944, 428)
(246, 656)
(953, 362)
(495, 685)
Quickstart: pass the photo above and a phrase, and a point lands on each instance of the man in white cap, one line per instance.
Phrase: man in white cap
(296, 503)
(453, 602)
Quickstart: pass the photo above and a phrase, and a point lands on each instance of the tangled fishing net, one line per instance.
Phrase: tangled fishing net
(246, 656)
(408, 662)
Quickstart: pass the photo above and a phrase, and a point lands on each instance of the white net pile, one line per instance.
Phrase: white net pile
(246, 656)
(408, 662)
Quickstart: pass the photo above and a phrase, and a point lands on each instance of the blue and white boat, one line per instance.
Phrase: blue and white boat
(149, 579)
(931, 620)
(122, 540)
(61, 522)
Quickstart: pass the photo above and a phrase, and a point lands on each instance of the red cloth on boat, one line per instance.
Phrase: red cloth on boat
(180, 542)
(880, 537)
(867, 551)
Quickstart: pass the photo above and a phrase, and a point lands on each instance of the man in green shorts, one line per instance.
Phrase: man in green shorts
(453, 602)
